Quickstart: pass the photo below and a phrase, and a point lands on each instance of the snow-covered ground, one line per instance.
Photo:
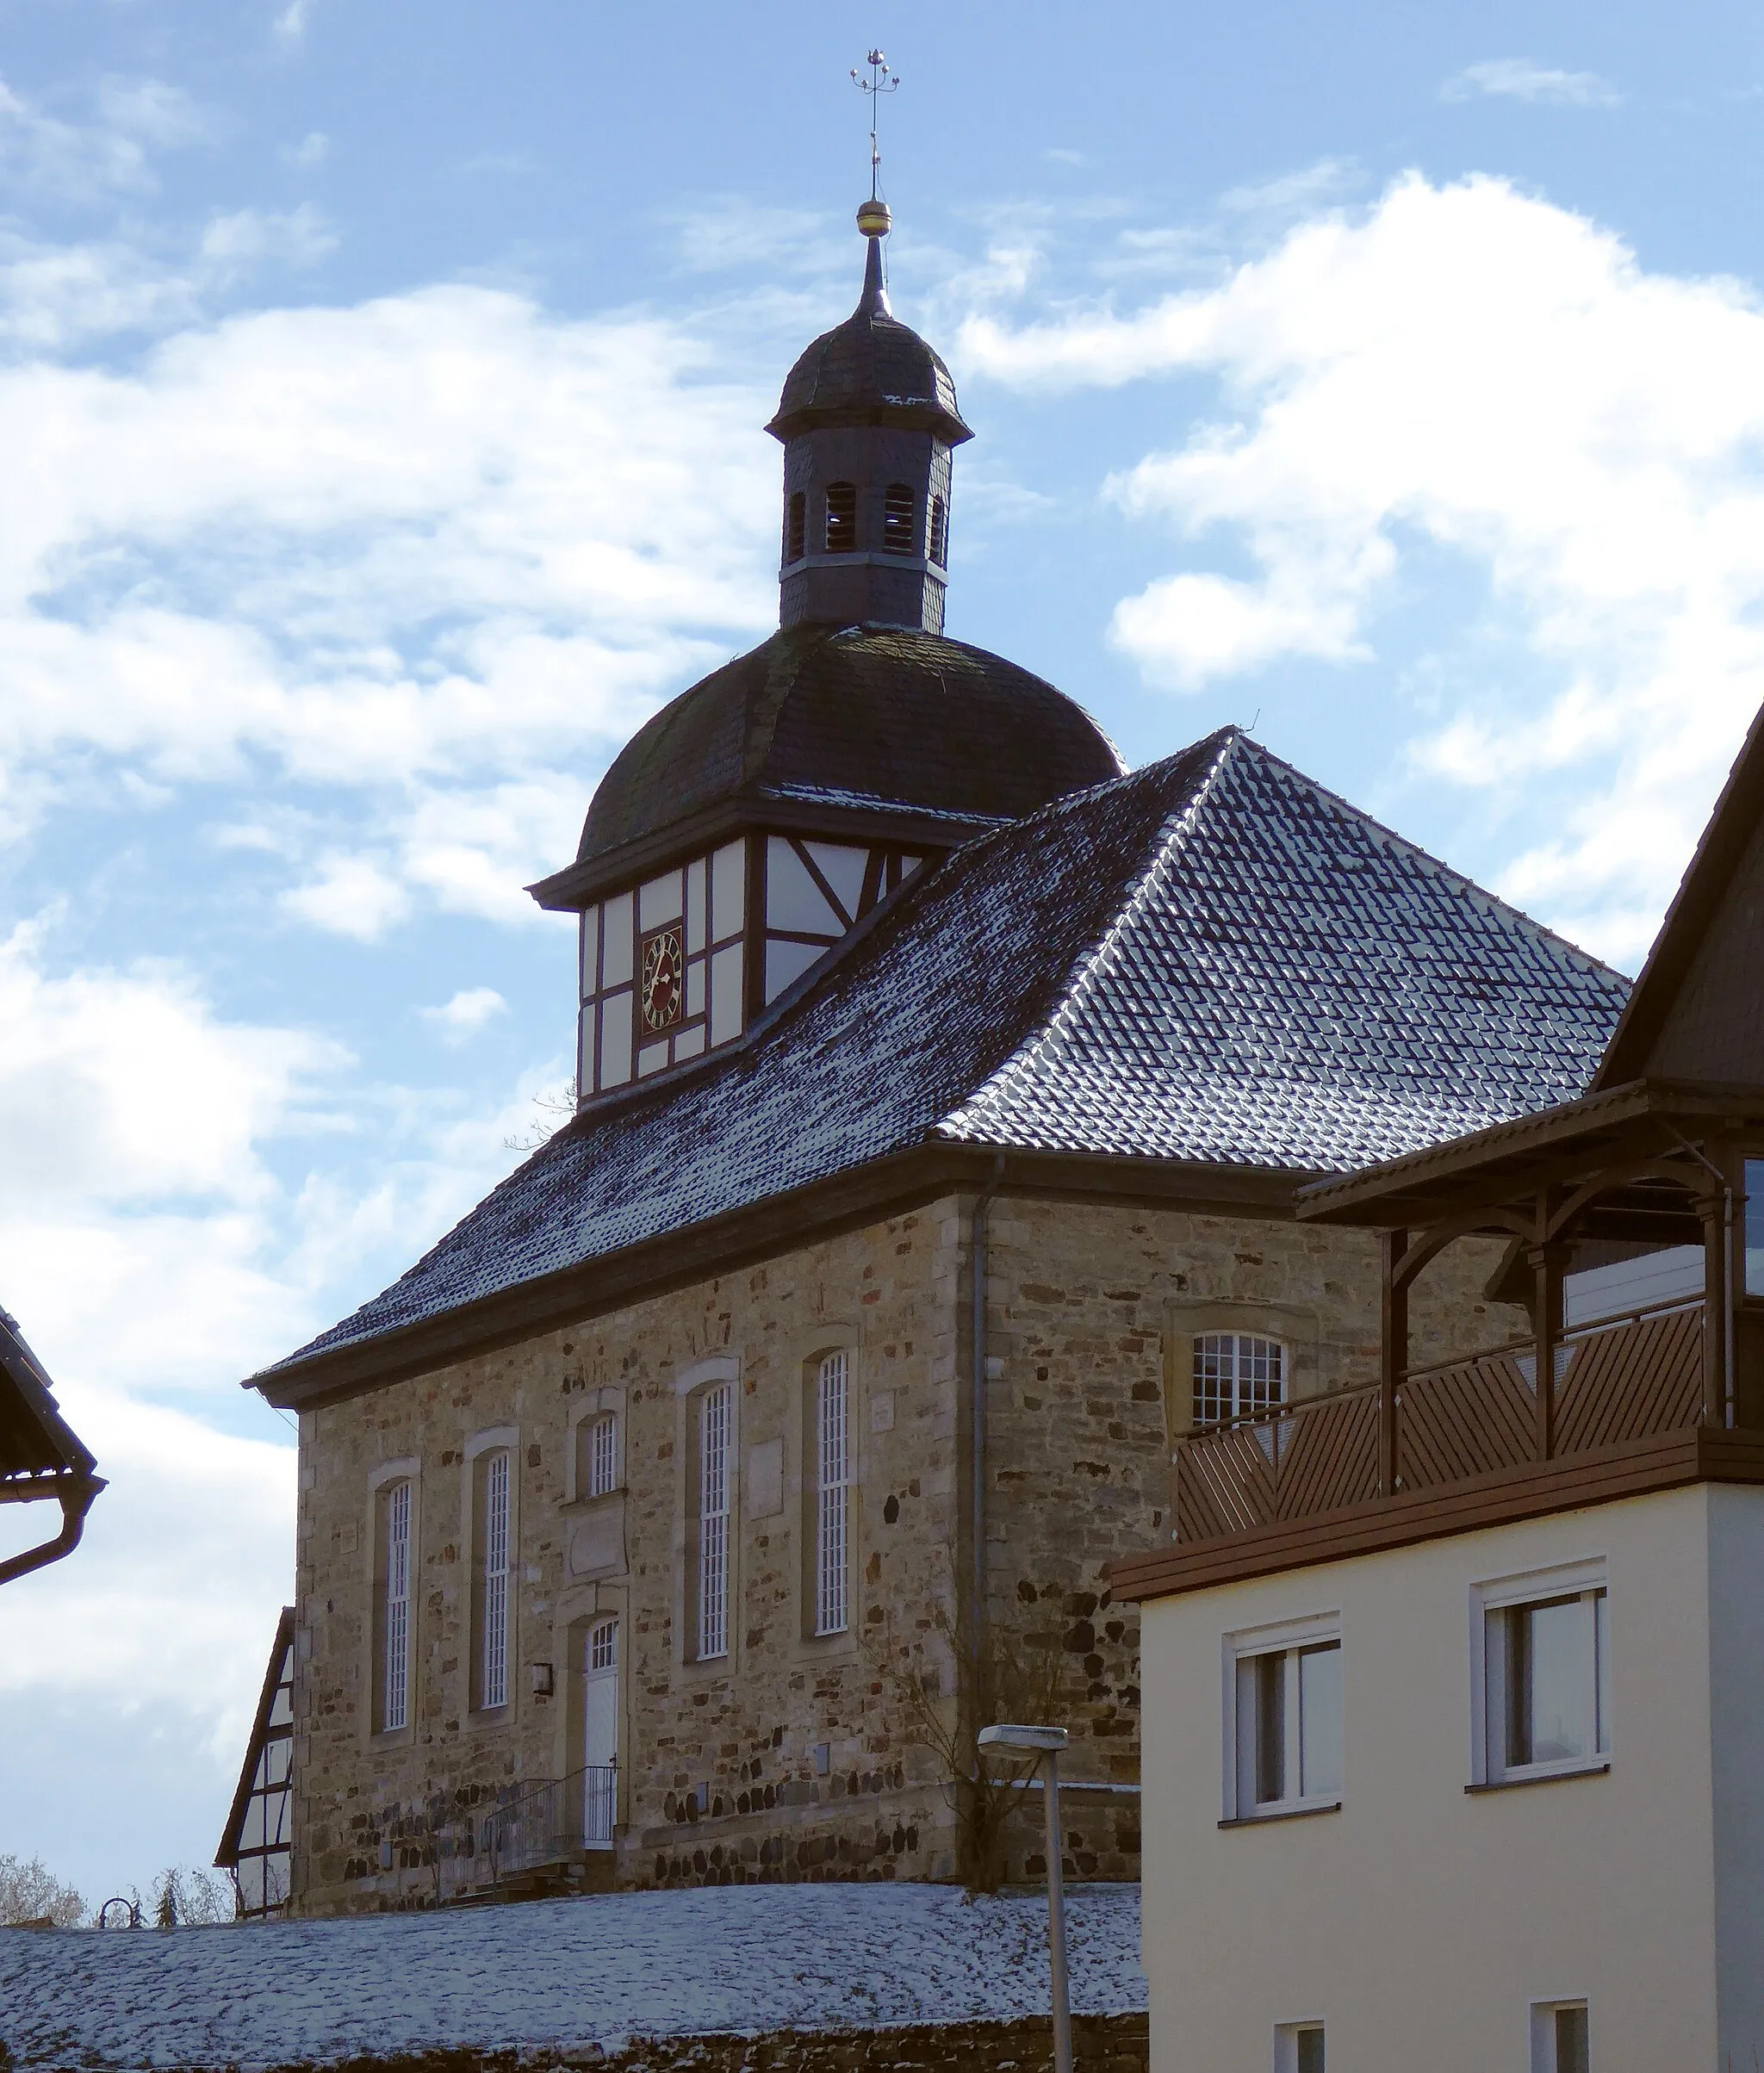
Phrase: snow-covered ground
(559, 1973)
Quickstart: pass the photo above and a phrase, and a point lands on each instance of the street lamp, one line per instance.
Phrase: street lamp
(1049, 1742)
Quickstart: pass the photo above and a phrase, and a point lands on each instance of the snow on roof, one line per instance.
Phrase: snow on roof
(1211, 960)
(567, 1974)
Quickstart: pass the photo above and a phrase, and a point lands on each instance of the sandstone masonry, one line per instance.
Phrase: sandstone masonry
(793, 1756)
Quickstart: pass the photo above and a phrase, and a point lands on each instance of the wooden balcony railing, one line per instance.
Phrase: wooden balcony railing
(1614, 1382)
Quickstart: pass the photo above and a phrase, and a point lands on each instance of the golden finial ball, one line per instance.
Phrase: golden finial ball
(874, 221)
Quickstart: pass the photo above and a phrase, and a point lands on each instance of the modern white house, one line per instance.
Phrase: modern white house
(1453, 1737)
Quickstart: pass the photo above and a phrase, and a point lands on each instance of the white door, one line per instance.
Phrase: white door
(600, 1732)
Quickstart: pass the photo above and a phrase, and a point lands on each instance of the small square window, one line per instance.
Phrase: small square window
(1560, 2041)
(1298, 2048)
(1286, 1707)
(1545, 1680)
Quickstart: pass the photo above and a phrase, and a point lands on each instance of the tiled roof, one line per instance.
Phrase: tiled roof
(1212, 960)
(879, 716)
(39, 1449)
(872, 370)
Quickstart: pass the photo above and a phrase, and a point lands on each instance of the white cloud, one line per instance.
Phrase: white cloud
(119, 1088)
(1518, 80)
(289, 27)
(1475, 371)
(83, 162)
(313, 149)
(352, 895)
(248, 237)
(429, 549)
(466, 1013)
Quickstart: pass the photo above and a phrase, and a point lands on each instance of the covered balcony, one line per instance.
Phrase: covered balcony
(1631, 1230)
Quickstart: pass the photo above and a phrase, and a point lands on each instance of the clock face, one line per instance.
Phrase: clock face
(664, 978)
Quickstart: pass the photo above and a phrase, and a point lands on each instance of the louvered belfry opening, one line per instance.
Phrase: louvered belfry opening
(897, 518)
(939, 545)
(796, 527)
(841, 517)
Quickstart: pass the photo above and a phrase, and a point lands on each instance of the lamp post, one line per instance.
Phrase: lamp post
(1047, 1742)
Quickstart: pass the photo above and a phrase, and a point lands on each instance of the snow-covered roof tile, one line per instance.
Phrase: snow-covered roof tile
(1212, 960)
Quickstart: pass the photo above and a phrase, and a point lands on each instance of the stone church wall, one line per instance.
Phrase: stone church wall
(793, 1757)
(787, 1758)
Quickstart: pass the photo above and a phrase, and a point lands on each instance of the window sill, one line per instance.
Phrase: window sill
(1541, 1777)
(1274, 1814)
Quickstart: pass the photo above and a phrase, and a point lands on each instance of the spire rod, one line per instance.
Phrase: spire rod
(881, 81)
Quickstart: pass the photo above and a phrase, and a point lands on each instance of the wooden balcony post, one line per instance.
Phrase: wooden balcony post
(1392, 1356)
(1549, 1262)
(1725, 1348)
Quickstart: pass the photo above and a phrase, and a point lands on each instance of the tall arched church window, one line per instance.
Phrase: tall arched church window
(395, 1617)
(796, 526)
(841, 517)
(939, 543)
(1235, 1376)
(491, 1562)
(832, 1485)
(897, 518)
(713, 1521)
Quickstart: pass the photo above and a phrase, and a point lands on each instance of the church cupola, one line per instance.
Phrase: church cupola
(868, 421)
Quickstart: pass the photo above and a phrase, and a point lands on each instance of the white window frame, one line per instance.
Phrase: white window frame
(1247, 1399)
(1288, 2037)
(1545, 2058)
(498, 1575)
(1586, 1579)
(715, 1411)
(1290, 1639)
(832, 1493)
(395, 1692)
(602, 1453)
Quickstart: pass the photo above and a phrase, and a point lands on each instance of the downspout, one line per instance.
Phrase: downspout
(75, 1504)
(976, 1270)
(1727, 1320)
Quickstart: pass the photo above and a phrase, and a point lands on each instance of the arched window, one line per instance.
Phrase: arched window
(394, 1689)
(491, 1575)
(1236, 1375)
(898, 504)
(831, 1440)
(713, 1493)
(796, 527)
(939, 545)
(841, 517)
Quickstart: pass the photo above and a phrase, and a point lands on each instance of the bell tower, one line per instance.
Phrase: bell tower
(868, 421)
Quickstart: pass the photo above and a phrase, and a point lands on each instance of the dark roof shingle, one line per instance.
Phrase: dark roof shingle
(1212, 960)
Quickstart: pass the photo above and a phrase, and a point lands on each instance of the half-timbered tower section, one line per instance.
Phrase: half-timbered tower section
(1495, 1606)
(680, 1516)
(256, 1842)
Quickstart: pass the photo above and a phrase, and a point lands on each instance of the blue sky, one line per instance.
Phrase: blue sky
(380, 391)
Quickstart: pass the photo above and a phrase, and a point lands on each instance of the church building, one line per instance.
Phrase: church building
(946, 1096)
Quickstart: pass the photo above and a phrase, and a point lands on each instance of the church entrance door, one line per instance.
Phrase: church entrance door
(600, 1734)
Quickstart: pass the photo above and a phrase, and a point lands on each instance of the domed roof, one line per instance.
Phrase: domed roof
(868, 719)
(872, 370)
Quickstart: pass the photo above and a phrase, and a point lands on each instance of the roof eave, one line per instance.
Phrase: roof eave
(1420, 1184)
(570, 889)
(841, 1201)
(911, 415)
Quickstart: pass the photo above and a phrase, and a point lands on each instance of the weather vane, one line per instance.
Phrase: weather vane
(881, 81)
